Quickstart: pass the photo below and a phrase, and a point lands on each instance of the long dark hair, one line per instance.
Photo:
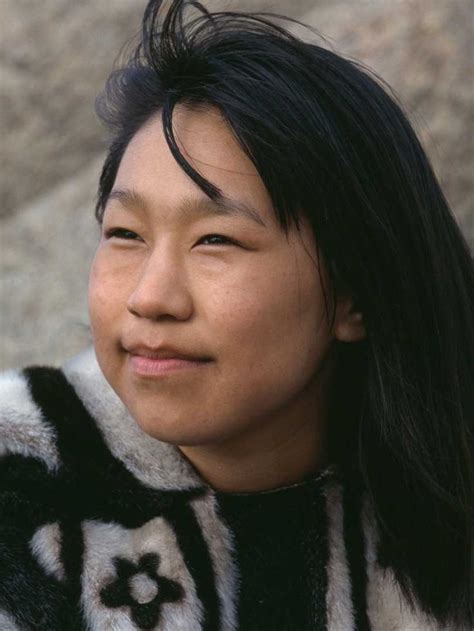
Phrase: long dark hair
(328, 140)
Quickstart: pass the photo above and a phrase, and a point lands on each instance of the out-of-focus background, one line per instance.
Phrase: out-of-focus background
(54, 58)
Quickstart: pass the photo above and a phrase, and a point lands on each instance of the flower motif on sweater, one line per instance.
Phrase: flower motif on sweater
(140, 587)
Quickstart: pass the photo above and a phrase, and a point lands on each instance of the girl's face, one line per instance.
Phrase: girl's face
(249, 299)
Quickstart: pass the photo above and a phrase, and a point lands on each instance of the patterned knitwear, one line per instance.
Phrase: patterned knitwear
(104, 528)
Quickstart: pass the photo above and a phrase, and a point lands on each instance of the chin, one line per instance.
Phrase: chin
(175, 432)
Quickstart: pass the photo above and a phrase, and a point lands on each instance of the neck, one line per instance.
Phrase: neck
(255, 468)
(276, 451)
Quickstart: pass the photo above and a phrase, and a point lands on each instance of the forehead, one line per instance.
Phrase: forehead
(205, 140)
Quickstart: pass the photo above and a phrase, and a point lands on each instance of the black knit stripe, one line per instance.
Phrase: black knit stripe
(355, 550)
(61, 407)
(78, 436)
(198, 561)
(34, 600)
(72, 555)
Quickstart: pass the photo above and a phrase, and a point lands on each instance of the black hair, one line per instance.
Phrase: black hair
(329, 140)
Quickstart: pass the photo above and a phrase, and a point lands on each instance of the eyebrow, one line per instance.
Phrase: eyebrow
(223, 205)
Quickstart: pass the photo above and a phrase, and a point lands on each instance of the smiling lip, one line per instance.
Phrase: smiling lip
(147, 366)
(159, 360)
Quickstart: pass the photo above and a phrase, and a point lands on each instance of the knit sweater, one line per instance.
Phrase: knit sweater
(104, 528)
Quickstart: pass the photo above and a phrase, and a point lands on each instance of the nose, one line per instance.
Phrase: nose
(161, 290)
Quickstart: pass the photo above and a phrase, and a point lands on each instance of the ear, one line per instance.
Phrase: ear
(349, 324)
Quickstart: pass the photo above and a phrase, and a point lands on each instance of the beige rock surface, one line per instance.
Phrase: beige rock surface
(55, 56)
(46, 253)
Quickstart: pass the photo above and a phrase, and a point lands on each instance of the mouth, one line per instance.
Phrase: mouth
(154, 367)
(149, 362)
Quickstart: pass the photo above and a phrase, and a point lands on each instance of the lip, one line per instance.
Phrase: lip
(158, 360)
(154, 367)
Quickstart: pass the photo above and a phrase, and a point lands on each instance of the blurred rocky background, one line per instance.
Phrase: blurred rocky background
(54, 58)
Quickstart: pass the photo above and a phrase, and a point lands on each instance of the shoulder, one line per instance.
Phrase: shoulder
(362, 592)
(47, 414)
(387, 604)
(24, 430)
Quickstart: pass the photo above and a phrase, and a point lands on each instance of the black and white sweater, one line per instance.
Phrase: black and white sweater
(105, 528)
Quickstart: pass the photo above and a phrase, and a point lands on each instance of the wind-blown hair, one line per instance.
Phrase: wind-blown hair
(328, 141)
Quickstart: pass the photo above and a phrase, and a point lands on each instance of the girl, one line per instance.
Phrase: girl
(274, 427)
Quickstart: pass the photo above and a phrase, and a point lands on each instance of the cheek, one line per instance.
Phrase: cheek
(272, 338)
(274, 324)
(106, 295)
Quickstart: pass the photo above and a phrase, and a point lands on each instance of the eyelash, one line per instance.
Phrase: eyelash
(219, 236)
(116, 232)
(119, 234)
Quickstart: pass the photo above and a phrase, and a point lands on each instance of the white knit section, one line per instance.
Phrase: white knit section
(22, 430)
(151, 461)
(46, 547)
(143, 589)
(220, 543)
(7, 623)
(339, 594)
(104, 541)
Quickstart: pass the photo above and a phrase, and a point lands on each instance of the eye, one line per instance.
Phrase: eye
(120, 233)
(220, 238)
